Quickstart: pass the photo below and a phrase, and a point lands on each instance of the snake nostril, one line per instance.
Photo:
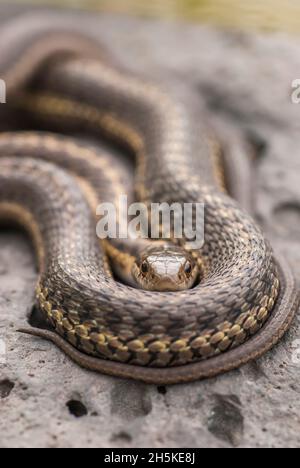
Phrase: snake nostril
(145, 267)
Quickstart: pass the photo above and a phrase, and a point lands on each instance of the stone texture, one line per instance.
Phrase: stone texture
(47, 401)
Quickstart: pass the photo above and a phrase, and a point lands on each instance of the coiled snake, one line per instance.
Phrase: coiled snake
(171, 329)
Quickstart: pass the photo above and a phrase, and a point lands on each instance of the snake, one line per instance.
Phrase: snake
(156, 311)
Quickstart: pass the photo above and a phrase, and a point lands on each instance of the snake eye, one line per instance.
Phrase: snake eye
(145, 267)
(188, 268)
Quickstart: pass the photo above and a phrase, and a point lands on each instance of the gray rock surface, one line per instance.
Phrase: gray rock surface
(46, 400)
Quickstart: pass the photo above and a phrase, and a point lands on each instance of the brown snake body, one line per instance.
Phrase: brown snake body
(246, 298)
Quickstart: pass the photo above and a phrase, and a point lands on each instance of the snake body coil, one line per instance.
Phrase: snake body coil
(246, 298)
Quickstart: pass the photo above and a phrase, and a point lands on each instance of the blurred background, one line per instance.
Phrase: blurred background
(267, 15)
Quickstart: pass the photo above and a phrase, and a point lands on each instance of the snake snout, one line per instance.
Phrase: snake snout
(165, 268)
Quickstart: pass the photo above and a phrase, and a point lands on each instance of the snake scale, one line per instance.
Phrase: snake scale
(51, 183)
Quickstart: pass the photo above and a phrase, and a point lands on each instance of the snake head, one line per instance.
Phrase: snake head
(165, 268)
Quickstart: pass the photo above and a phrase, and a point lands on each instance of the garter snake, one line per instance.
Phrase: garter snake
(246, 298)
